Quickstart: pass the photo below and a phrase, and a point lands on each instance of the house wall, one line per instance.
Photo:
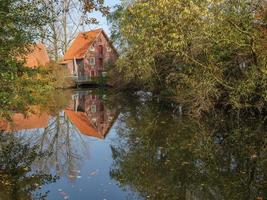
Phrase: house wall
(101, 54)
(98, 114)
(70, 67)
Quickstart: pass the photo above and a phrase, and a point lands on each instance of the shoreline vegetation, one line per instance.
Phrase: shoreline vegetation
(205, 55)
(201, 55)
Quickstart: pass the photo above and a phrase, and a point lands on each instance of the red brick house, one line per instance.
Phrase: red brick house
(88, 113)
(89, 53)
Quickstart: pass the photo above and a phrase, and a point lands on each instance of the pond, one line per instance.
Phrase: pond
(96, 144)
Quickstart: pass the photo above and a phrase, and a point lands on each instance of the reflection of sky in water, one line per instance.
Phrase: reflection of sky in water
(78, 143)
(92, 180)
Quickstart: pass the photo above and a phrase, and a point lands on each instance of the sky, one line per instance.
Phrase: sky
(102, 20)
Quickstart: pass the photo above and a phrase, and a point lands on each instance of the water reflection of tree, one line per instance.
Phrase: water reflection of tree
(65, 145)
(163, 157)
(17, 180)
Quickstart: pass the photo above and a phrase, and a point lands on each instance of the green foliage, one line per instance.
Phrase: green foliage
(19, 21)
(20, 86)
(16, 176)
(58, 75)
(204, 53)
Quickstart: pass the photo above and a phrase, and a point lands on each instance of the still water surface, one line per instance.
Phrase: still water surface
(97, 145)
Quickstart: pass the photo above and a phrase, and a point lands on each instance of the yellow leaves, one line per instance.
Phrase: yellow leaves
(264, 71)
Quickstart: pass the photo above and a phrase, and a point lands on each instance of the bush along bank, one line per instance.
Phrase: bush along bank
(205, 55)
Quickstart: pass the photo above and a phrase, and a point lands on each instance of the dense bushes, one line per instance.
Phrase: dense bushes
(20, 86)
(206, 54)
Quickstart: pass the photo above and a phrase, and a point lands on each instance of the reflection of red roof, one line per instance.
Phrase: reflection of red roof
(81, 44)
(37, 57)
(81, 122)
(20, 122)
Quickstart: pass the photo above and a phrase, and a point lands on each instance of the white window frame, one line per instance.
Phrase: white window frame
(104, 74)
(92, 48)
(93, 108)
(92, 61)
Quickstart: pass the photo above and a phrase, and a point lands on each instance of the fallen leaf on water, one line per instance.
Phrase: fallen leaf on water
(76, 171)
(94, 173)
(72, 176)
(63, 194)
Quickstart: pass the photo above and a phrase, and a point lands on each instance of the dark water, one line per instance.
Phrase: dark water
(97, 145)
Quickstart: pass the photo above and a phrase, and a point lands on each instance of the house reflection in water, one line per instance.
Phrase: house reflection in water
(89, 115)
(64, 138)
(86, 112)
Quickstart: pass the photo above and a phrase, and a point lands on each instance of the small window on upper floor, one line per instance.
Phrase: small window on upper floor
(92, 47)
(92, 61)
(93, 108)
(108, 49)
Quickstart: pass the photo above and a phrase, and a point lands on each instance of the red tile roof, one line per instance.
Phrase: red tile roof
(37, 57)
(81, 122)
(81, 44)
(20, 122)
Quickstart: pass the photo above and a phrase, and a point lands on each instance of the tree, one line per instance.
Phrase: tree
(69, 17)
(20, 21)
(205, 54)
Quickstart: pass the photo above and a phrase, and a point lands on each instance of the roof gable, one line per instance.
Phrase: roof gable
(38, 56)
(81, 44)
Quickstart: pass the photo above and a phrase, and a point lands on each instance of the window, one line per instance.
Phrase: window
(92, 61)
(92, 47)
(108, 49)
(104, 74)
(93, 108)
(94, 120)
(92, 73)
(110, 118)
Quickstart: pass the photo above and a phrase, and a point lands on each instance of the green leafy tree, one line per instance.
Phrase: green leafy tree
(20, 86)
(205, 54)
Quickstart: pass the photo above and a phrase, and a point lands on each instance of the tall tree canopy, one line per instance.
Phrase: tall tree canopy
(20, 20)
(206, 53)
